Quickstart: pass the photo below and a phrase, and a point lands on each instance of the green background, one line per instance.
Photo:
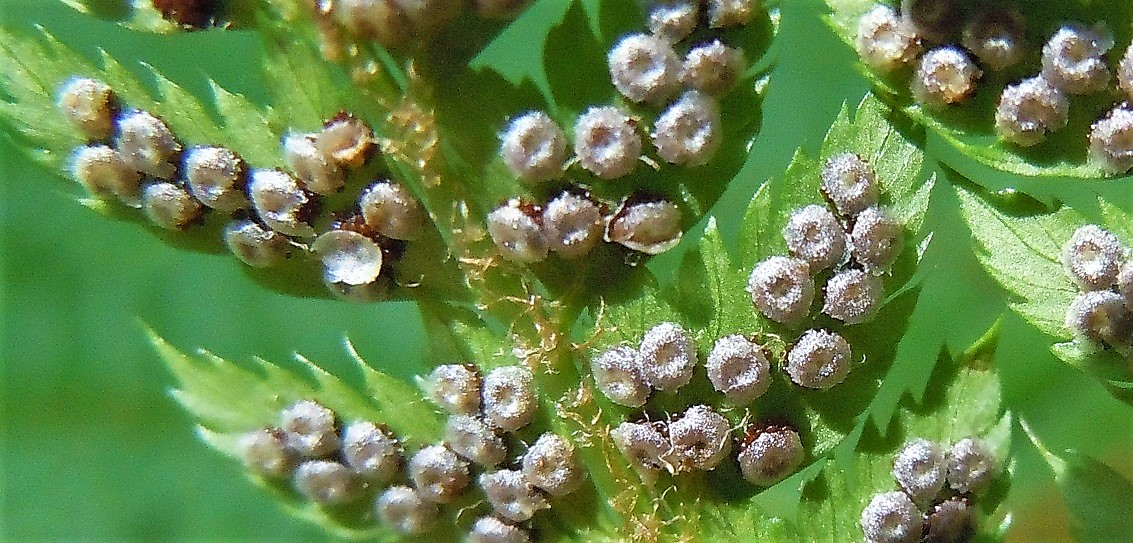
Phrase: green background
(94, 449)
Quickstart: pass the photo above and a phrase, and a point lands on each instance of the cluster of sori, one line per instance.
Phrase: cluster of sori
(1098, 264)
(573, 223)
(133, 157)
(329, 465)
(858, 239)
(700, 438)
(482, 411)
(334, 465)
(1073, 61)
(397, 23)
(938, 488)
(645, 68)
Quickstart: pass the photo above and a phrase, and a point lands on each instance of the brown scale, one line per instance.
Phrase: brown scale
(194, 14)
(369, 151)
(531, 209)
(771, 425)
(310, 210)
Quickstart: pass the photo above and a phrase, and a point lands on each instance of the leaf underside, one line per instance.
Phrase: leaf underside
(974, 301)
(970, 127)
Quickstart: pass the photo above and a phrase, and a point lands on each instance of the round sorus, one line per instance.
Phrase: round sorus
(314, 169)
(147, 144)
(892, 518)
(712, 68)
(1125, 72)
(1029, 110)
(644, 68)
(885, 41)
(700, 439)
(770, 454)
(673, 20)
(454, 388)
(970, 465)
(403, 510)
(281, 203)
(820, 359)
(552, 466)
(170, 206)
(726, 13)
(494, 530)
(617, 374)
(1111, 140)
(738, 368)
(850, 183)
(688, 132)
(512, 495)
(1074, 59)
(814, 235)
(919, 468)
(104, 173)
(572, 224)
(216, 176)
(474, 440)
(1092, 257)
(508, 398)
(266, 453)
(853, 296)
(439, 475)
(666, 356)
(379, 20)
(311, 429)
(782, 289)
(643, 446)
(934, 20)
(1100, 316)
(393, 211)
(88, 104)
(650, 227)
(518, 233)
(371, 451)
(1125, 282)
(944, 76)
(348, 257)
(875, 240)
(949, 521)
(326, 482)
(995, 36)
(345, 140)
(534, 147)
(256, 245)
(606, 142)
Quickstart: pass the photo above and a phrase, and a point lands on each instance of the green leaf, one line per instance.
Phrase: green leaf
(964, 402)
(1020, 249)
(1097, 497)
(709, 300)
(891, 148)
(970, 127)
(228, 399)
